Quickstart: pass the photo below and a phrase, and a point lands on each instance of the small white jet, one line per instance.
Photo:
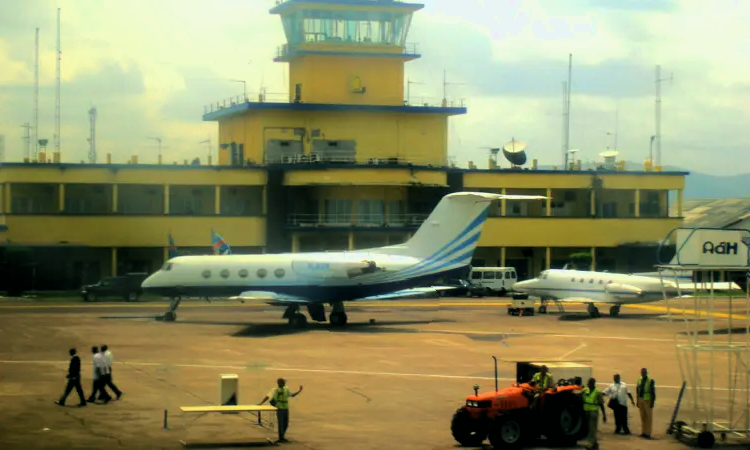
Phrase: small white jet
(442, 247)
(574, 286)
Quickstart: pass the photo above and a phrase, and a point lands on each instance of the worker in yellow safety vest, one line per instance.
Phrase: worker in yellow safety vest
(280, 399)
(593, 401)
(542, 381)
(646, 396)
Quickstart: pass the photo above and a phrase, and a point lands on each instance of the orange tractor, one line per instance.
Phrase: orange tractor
(507, 418)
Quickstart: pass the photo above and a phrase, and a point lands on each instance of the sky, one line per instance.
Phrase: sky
(149, 67)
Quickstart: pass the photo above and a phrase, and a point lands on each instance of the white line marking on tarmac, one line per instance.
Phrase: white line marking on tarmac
(572, 351)
(327, 371)
(586, 336)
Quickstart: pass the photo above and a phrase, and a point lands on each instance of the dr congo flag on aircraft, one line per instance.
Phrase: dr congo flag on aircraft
(219, 245)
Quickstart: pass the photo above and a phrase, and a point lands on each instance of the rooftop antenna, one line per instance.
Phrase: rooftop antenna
(26, 141)
(514, 152)
(564, 123)
(92, 135)
(445, 88)
(659, 80)
(2, 148)
(617, 121)
(158, 140)
(208, 147)
(567, 107)
(57, 89)
(408, 89)
(35, 143)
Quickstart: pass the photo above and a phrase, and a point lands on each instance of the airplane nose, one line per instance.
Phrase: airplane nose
(520, 285)
(148, 282)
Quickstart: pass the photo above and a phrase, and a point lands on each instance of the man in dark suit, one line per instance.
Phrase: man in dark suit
(74, 380)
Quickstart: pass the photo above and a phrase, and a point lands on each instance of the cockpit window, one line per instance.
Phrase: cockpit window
(167, 267)
(543, 275)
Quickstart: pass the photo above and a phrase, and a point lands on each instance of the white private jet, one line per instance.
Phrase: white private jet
(575, 286)
(442, 247)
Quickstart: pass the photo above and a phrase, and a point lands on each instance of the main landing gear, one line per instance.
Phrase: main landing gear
(614, 311)
(317, 312)
(593, 311)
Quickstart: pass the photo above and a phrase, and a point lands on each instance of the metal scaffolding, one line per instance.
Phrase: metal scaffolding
(713, 350)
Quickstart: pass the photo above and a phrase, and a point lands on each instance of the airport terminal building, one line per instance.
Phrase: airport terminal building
(343, 163)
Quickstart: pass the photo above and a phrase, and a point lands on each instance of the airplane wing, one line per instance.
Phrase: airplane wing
(579, 300)
(718, 286)
(623, 290)
(273, 298)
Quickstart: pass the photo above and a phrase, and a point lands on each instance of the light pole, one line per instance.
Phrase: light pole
(244, 88)
(651, 151)
(158, 140)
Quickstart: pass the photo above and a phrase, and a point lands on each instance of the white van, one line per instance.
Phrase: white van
(494, 279)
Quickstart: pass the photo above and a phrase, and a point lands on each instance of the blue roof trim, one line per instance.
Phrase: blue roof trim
(294, 53)
(290, 4)
(256, 106)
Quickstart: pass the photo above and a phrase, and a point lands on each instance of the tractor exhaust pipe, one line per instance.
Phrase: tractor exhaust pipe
(495, 373)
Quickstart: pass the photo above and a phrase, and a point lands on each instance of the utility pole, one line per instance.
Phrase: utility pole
(57, 90)
(408, 90)
(567, 108)
(35, 143)
(659, 80)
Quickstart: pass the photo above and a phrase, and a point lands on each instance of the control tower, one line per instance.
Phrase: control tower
(346, 51)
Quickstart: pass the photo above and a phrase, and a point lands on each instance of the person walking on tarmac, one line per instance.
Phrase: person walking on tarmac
(74, 380)
(646, 394)
(618, 394)
(592, 403)
(280, 400)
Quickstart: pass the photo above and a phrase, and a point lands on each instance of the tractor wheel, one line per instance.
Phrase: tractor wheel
(566, 423)
(507, 432)
(468, 431)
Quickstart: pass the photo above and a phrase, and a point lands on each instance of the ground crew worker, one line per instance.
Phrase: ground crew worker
(593, 401)
(280, 399)
(542, 381)
(646, 394)
(74, 380)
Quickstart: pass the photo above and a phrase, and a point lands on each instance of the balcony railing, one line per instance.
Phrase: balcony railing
(351, 158)
(355, 220)
(284, 50)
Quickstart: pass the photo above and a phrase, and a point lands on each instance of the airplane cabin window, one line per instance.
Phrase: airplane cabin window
(243, 273)
(206, 273)
(591, 281)
(224, 273)
(279, 273)
(262, 273)
(573, 280)
(582, 280)
(601, 281)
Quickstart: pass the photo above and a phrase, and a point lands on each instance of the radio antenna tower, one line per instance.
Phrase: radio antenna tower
(92, 135)
(659, 80)
(35, 143)
(57, 90)
(26, 141)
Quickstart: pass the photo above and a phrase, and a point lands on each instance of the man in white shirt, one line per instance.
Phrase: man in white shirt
(107, 378)
(618, 394)
(100, 371)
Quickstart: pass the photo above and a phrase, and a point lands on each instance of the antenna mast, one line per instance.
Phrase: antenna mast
(92, 135)
(57, 90)
(657, 138)
(565, 124)
(445, 88)
(408, 89)
(35, 143)
(567, 108)
(27, 141)
(2, 148)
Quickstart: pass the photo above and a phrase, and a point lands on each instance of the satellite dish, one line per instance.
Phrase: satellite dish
(514, 152)
(609, 154)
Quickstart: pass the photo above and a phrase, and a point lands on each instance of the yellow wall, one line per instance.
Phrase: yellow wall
(573, 232)
(561, 180)
(201, 175)
(384, 193)
(364, 177)
(329, 79)
(418, 138)
(133, 231)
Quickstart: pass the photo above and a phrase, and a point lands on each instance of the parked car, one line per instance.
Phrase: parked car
(127, 287)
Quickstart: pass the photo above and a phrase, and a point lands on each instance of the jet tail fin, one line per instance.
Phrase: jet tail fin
(449, 236)
(220, 246)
